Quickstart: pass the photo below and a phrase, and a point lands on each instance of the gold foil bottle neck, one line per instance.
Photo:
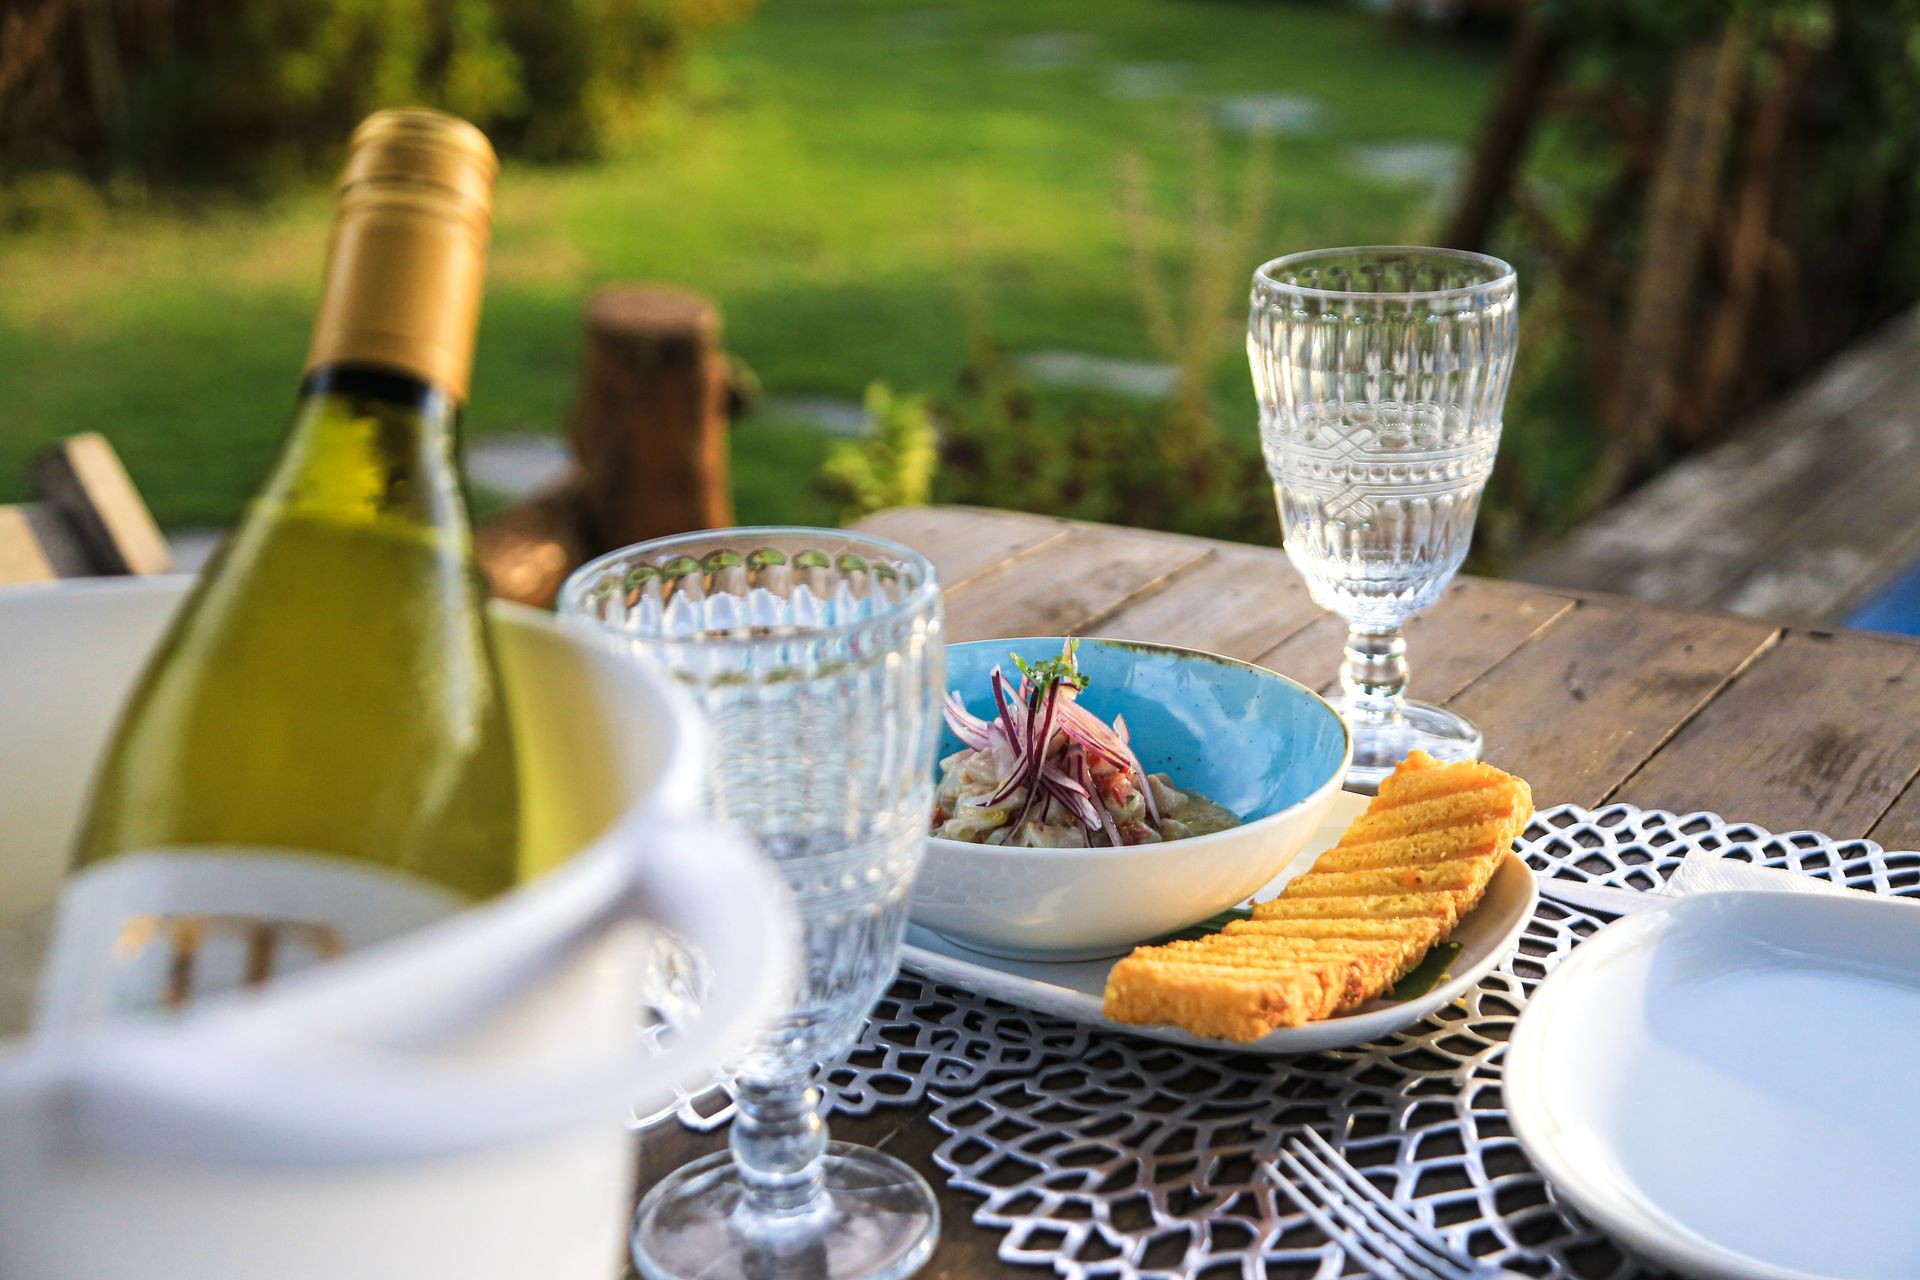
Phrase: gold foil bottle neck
(409, 247)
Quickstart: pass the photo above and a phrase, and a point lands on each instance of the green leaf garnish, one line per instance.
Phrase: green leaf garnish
(1042, 676)
(1426, 975)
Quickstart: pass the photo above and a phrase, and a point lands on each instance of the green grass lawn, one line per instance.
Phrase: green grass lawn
(832, 172)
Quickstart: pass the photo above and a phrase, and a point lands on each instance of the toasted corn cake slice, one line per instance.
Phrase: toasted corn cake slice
(1424, 795)
(1425, 930)
(1438, 906)
(1364, 915)
(1370, 965)
(1460, 875)
(1229, 1006)
(1420, 849)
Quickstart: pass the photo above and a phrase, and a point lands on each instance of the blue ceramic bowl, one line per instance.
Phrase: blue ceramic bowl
(1270, 750)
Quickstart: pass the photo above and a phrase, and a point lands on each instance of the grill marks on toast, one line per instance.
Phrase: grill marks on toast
(1393, 906)
(1364, 915)
(1466, 875)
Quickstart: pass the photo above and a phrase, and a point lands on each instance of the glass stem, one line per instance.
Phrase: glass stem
(1374, 675)
(778, 1139)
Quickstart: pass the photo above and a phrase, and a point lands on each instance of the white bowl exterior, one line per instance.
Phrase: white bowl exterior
(1082, 901)
(600, 737)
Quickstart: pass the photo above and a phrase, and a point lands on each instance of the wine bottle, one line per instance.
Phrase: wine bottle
(318, 755)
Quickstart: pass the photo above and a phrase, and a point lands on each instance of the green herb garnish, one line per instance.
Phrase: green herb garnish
(1042, 676)
(1426, 975)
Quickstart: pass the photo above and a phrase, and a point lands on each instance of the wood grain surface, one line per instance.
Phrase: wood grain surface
(1591, 697)
(1796, 518)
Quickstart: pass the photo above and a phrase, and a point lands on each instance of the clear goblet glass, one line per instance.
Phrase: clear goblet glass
(1382, 374)
(817, 656)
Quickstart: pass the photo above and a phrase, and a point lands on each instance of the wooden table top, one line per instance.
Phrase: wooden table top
(1592, 698)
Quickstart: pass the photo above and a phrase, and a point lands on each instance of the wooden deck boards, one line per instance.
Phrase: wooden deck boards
(1800, 517)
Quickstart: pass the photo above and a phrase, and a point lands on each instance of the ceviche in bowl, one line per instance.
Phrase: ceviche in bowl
(1046, 773)
(1095, 794)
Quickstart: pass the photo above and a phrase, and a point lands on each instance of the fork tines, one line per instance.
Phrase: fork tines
(1375, 1232)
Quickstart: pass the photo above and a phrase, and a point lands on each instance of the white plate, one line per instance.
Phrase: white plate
(1076, 989)
(1727, 1085)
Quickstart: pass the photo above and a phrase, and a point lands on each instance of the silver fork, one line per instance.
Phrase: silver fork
(1356, 1215)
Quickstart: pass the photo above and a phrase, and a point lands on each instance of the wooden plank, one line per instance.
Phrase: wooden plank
(1234, 601)
(1463, 635)
(1820, 733)
(963, 542)
(1684, 536)
(527, 550)
(37, 544)
(1064, 584)
(21, 557)
(966, 1249)
(1580, 706)
(1843, 545)
(1899, 826)
(82, 476)
(59, 541)
(1709, 519)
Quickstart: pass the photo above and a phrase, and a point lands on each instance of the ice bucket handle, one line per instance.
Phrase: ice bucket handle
(273, 1080)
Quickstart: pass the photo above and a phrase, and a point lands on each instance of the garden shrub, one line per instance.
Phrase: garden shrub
(256, 89)
(1107, 457)
(892, 467)
(50, 202)
(1088, 455)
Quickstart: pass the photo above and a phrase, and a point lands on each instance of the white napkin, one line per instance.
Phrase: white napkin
(1703, 872)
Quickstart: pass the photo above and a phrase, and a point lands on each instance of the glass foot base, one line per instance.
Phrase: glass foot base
(1380, 745)
(877, 1220)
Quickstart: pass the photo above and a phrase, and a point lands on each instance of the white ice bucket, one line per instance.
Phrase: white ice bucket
(448, 1104)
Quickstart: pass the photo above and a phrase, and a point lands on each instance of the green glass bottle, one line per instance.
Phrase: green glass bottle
(318, 755)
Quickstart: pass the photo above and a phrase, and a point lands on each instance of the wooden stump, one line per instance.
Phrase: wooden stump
(650, 426)
(528, 550)
(649, 440)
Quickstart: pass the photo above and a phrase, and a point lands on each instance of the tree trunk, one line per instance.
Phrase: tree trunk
(1707, 83)
(1532, 61)
(1749, 247)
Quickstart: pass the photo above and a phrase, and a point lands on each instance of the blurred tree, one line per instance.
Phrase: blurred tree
(254, 89)
(1742, 208)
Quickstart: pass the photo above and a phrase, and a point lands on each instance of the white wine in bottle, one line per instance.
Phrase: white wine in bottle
(318, 755)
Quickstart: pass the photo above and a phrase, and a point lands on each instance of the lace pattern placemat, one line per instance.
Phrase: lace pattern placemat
(1106, 1155)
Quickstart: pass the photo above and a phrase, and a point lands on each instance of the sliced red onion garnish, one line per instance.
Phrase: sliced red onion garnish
(1106, 819)
(1014, 728)
(1051, 745)
(1053, 774)
(966, 726)
(1100, 740)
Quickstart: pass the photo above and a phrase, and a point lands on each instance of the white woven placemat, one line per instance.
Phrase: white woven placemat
(1106, 1155)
